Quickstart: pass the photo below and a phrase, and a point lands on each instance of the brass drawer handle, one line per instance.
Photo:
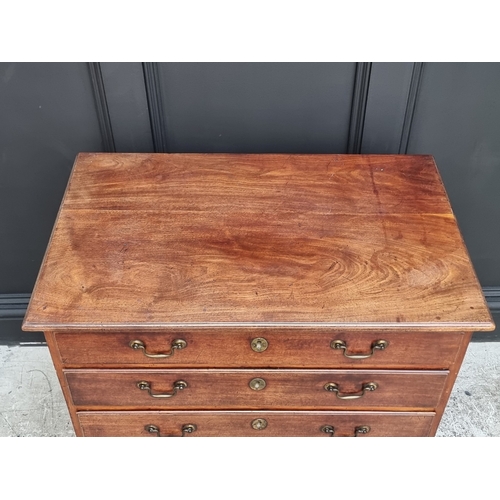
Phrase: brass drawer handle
(176, 344)
(360, 429)
(328, 429)
(186, 429)
(332, 387)
(178, 386)
(377, 345)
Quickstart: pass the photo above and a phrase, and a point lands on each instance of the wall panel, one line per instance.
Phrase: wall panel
(457, 119)
(257, 107)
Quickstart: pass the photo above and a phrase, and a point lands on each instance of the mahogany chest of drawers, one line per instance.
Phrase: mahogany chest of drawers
(256, 295)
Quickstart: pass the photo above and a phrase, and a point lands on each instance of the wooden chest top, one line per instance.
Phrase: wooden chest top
(221, 240)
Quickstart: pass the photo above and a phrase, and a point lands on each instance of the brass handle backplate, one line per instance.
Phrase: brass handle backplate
(360, 429)
(328, 429)
(146, 386)
(176, 344)
(332, 387)
(379, 345)
(185, 429)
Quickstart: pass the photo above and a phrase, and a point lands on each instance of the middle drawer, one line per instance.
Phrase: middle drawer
(256, 389)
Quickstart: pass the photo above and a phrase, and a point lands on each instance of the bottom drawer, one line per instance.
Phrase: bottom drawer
(254, 423)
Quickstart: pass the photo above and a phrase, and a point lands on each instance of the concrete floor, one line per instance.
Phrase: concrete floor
(32, 404)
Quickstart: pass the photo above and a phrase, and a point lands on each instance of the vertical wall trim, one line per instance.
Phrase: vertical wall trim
(128, 106)
(358, 108)
(102, 107)
(152, 81)
(416, 78)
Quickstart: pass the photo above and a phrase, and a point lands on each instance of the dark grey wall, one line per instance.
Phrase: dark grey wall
(126, 101)
(457, 119)
(51, 111)
(257, 107)
(47, 115)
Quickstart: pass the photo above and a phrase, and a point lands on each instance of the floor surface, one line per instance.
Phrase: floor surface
(32, 404)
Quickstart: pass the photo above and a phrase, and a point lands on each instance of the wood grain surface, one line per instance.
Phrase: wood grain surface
(293, 348)
(230, 389)
(162, 241)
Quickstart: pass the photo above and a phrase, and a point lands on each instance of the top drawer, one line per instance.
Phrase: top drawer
(258, 348)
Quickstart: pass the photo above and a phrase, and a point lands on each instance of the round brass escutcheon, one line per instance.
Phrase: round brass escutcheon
(259, 344)
(259, 424)
(257, 384)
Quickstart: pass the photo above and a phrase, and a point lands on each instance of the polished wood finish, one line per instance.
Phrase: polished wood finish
(450, 380)
(355, 242)
(219, 249)
(286, 349)
(230, 389)
(226, 423)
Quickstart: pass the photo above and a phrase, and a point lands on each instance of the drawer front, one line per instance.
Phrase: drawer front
(260, 349)
(255, 389)
(255, 424)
